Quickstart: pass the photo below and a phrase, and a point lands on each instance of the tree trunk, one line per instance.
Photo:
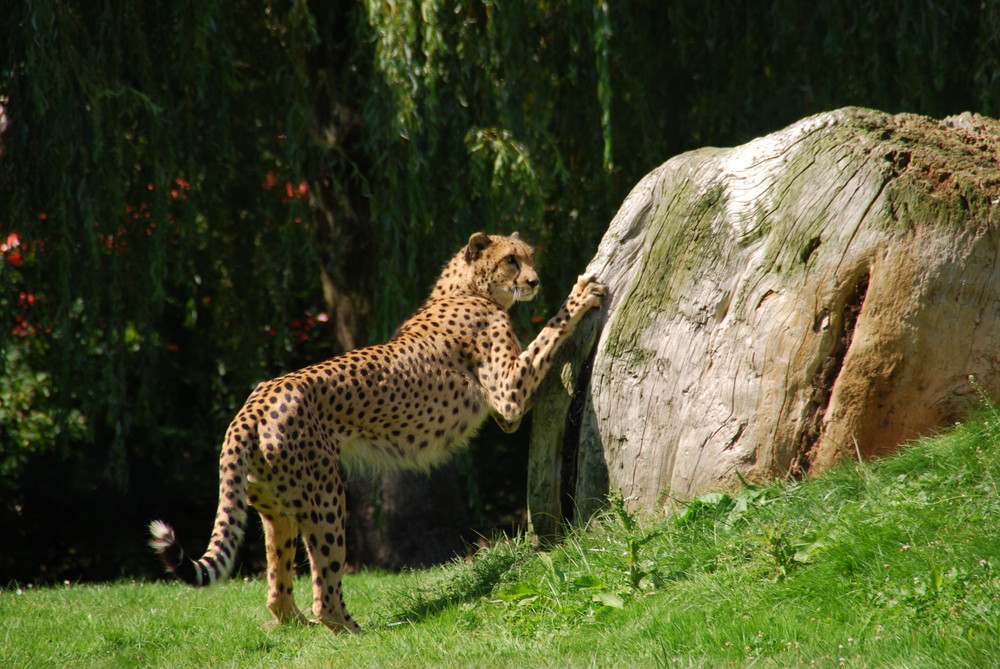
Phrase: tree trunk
(407, 519)
(823, 292)
(395, 519)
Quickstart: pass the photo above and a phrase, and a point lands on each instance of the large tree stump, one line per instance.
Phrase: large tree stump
(819, 293)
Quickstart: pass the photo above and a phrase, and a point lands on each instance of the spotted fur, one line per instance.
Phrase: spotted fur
(407, 404)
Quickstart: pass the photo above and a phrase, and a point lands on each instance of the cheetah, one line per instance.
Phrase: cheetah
(409, 403)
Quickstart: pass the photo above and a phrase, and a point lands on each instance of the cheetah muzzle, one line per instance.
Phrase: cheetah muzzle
(407, 404)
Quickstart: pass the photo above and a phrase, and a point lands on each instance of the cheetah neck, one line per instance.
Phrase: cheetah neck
(458, 280)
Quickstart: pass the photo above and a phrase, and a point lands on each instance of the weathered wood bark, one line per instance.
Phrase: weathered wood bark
(822, 292)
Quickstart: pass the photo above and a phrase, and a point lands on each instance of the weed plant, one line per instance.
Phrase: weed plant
(888, 564)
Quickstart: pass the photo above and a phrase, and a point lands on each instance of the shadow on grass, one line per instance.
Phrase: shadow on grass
(471, 580)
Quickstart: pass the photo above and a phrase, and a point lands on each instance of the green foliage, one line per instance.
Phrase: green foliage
(726, 510)
(135, 190)
(637, 568)
(470, 97)
(29, 422)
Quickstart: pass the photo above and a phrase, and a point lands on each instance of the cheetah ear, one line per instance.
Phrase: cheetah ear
(477, 244)
(514, 235)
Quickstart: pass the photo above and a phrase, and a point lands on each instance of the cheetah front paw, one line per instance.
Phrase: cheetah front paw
(588, 293)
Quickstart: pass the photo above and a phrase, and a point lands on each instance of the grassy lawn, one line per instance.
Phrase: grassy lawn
(884, 565)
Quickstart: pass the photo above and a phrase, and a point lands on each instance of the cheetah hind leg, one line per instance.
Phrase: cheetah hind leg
(280, 533)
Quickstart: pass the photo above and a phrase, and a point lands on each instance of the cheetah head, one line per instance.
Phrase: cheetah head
(502, 268)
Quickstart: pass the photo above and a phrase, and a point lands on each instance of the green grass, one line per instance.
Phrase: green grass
(891, 564)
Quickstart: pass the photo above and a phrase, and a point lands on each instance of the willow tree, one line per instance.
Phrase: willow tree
(197, 196)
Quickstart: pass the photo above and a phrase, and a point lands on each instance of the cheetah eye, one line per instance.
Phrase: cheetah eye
(512, 260)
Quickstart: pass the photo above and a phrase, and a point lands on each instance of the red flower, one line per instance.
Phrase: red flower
(12, 241)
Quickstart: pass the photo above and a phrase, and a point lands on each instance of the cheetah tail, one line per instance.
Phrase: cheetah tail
(202, 572)
(227, 536)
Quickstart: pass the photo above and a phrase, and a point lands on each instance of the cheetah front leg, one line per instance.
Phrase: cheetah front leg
(515, 377)
(587, 294)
